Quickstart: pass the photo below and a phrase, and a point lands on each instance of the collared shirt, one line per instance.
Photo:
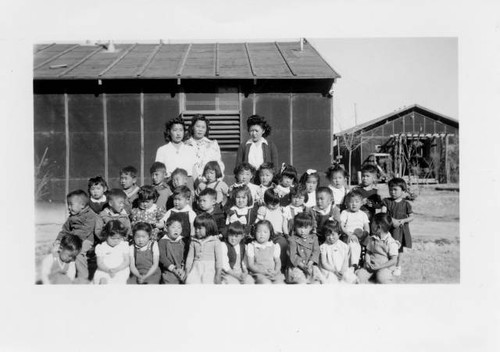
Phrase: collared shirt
(225, 258)
(354, 220)
(238, 214)
(183, 157)
(303, 249)
(250, 248)
(381, 249)
(338, 194)
(311, 200)
(186, 209)
(255, 153)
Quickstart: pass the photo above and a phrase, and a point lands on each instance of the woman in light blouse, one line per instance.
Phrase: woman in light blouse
(257, 150)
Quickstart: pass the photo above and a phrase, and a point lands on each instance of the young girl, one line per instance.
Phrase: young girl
(234, 270)
(204, 259)
(242, 211)
(334, 257)
(212, 178)
(244, 174)
(338, 184)
(172, 253)
(287, 178)
(59, 268)
(368, 189)
(144, 256)
(97, 190)
(299, 197)
(401, 213)
(381, 252)
(148, 211)
(310, 180)
(303, 252)
(265, 176)
(113, 258)
(263, 256)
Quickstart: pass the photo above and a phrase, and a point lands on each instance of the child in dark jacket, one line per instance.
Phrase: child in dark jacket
(172, 252)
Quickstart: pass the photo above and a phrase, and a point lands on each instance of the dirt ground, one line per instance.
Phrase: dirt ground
(434, 258)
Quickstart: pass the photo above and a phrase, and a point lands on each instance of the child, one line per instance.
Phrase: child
(401, 213)
(334, 257)
(303, 252)
(212, 178)
(287, 178)
(59, 268)
(207, 204)
(115, 210)
(183, 210)
(234, 270)
(97, 191)
(324, 210)
(148, 211)
(263, 256)
(355, 226)
(113, 255)
(381, 252)
(243, 173)
(265, 176)
(299, 197)
(84, 223)
(128, 178)
(179, 178)
(368, 189)
(158, 173)
(337, 177)
(204, 259)
(172, 253)
(144, 256)
(310, 180)
(242, 211)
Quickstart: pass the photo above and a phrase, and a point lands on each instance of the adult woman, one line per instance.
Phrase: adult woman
(257, 150)
(205, 149)
(175, 153)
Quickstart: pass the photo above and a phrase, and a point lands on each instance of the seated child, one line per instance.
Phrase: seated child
(148, 211)
(115, 210)
(310, 180)
(324, 210)
(244, 174)
(179, 178)
(84, 223)
(113, 255)
(97, 191)
(355, 226)
(264, 180)
(128, 178)
(59, 268)
(334, 257)
(234, 270)
(337, 176)
(144, 256)
(303, 252)
(299, 197)
(368, 190)
(212, 178)
(172, 253)
(242, 210)
(204, 259)
(263, 256)
(182, 209)
(287, 178)
(207, 204)
(158, 173)
(381, 252)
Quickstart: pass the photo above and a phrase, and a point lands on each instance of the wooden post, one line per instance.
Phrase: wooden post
(66, 135)
(142, 137)
(105, 121)
(446, 163)
(291, 128)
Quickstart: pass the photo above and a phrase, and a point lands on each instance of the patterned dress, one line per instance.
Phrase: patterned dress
(151, 215)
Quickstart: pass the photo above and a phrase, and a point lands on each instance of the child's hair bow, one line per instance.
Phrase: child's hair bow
(311, 171)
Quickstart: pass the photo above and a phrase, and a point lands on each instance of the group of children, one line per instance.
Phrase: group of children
(269, 227)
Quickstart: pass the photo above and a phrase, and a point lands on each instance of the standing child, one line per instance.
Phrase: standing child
(115, 210)
(148, 211)
(128, 179)
(263, 256)
(303, 252)
(310, 180)
(324, 210)
(204, 260)
(234, 270)
(212, 178)
(172, 252)
(244, 174)
(401, 213)
(59, 268)
(179, 178)
(381, 252)
(368, 189)
(113, 258)
(242, 211)
(207, 204)
(338, 178)
(144, 256)
(182, 209)
(97, 191)
(158, 175)
(287, 178)
(265, 176)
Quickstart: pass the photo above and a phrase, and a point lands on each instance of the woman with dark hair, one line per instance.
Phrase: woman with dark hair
(257, 150)
(205, 149)
(175, 153)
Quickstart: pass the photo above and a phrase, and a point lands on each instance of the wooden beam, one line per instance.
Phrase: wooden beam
(249, 60)
(55, 57)
(148, 60)
(117, 60)
(184, 59)
(44, 47)
(216, 59)
(284, 59)
(79, 62)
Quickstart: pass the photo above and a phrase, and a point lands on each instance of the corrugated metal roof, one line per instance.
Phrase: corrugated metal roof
(271, 60)
(366, 126)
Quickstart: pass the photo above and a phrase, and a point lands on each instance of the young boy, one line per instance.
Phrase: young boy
(182, 209)
(59, 268)
(324, 210)
(234, 270)
(84, 223)
(97, 191)
(207, 203)
(128, 179)
(158, 175)
(368, 190)
(179, 178)
(116, 210)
